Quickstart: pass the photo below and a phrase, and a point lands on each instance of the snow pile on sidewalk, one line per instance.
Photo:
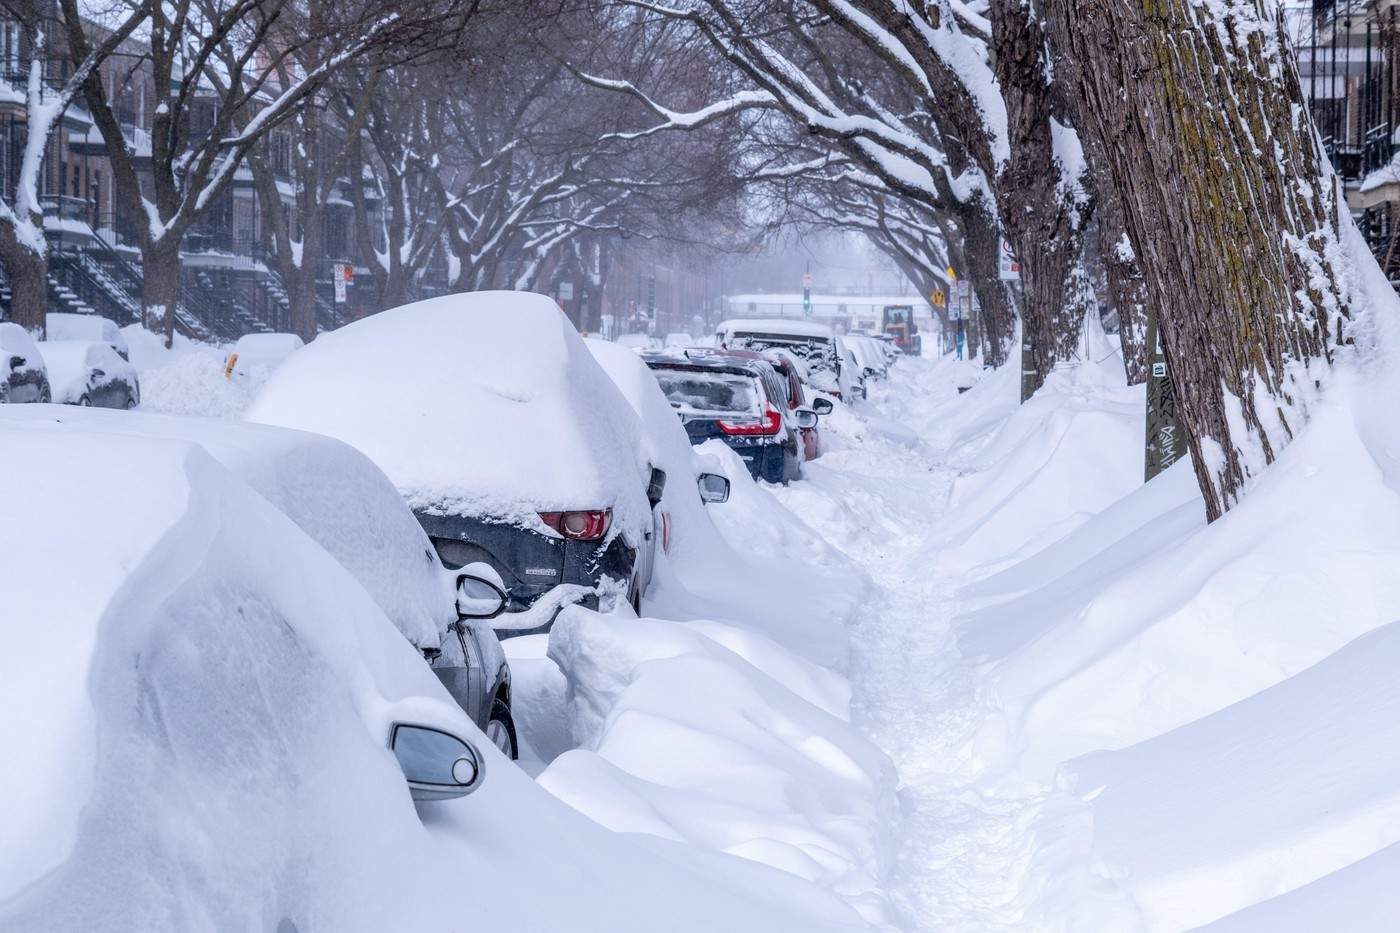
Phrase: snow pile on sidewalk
(717, 737)
(1220, 699)
(186, 378)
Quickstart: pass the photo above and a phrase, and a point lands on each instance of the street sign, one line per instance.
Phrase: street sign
(1009, 268)
(566, 291)
(343, 272)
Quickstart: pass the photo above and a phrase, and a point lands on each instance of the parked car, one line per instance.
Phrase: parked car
(854, 383)
(255, 356)
(204, 666)
(791, 370)
(23, 376)
(510, 444)
(60, 325)
(815, 344)
(740, 400)
(84, 372)
(869, 356)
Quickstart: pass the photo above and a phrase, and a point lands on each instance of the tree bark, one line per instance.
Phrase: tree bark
(28, 274)
(1044, 213)
(982, 255)
(160, 287)
(1231, 209)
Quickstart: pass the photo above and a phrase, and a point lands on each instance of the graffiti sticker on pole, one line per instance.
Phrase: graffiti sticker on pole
(1008, 266)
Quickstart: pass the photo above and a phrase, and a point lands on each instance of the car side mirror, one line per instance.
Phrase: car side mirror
(437, 765)
(478, 598)
(806, 418)
(713, 487)
(99, 374)
(656, 486)
(870, 371)
(17, 361)
(822, 406)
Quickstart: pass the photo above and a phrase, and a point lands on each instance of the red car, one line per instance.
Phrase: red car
(797, 398)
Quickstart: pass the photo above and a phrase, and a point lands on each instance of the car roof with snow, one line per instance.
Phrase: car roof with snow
(746, 363)
(777, 326)
(331, 491)
(62, 325)
(486, 404)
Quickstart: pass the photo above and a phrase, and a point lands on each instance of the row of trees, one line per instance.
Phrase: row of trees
(457, 131)
(1157, 158)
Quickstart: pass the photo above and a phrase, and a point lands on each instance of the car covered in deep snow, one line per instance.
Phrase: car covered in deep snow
(344, 503)
(510, 444)
(204, 705)
(23, 376)
(815, 344)
(88, 372)
(62, 325)
(740, 399)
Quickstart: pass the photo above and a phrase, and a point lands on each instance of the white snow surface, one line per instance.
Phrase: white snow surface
(487, 403)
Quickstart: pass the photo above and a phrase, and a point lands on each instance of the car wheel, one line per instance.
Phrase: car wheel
(85, 402)
(130, 403)
(501, 729)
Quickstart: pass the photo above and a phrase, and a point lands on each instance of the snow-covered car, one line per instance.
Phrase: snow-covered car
(790, 370)
(869, 356)
(736, 397)
(638, 342)
(85, 372)
(510, 444)
(667, 444)
(61, 325)
(23, 376)
(344, 503)
(853, 381)
(202, 696)
(255, 356)
(815, 344)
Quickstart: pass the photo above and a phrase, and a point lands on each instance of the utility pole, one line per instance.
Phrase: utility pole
(807, 291)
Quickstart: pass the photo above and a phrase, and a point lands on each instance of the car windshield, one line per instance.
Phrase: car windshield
(704, 393)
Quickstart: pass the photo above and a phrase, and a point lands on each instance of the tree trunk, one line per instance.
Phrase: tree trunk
(301, 298)
(1127, 294)
(28, 274)
(1043, 211)
(982, 252)
(160, 288)
(1231, 209)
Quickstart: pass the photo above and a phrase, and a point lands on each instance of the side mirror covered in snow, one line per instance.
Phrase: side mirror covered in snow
(479, 598)
(822, 406)
(713, 487)
(805, 417)
(438, 765)
(656, 486)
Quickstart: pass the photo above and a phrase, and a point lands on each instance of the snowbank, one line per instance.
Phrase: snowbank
(191, 383)
(486, 403)
(718, 738)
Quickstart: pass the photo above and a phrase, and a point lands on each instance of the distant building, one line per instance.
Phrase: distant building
(844, 312)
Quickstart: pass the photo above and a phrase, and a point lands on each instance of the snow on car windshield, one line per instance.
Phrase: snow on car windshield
(701, 393)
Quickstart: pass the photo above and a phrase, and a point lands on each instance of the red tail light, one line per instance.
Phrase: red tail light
(579, 526)
(772, 423)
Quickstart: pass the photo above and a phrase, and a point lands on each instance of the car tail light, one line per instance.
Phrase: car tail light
(771, 423)
(589, 525)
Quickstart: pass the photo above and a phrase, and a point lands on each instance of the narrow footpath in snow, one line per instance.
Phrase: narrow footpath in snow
(962, 852)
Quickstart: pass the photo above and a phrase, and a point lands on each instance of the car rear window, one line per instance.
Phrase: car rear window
(702, 393)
